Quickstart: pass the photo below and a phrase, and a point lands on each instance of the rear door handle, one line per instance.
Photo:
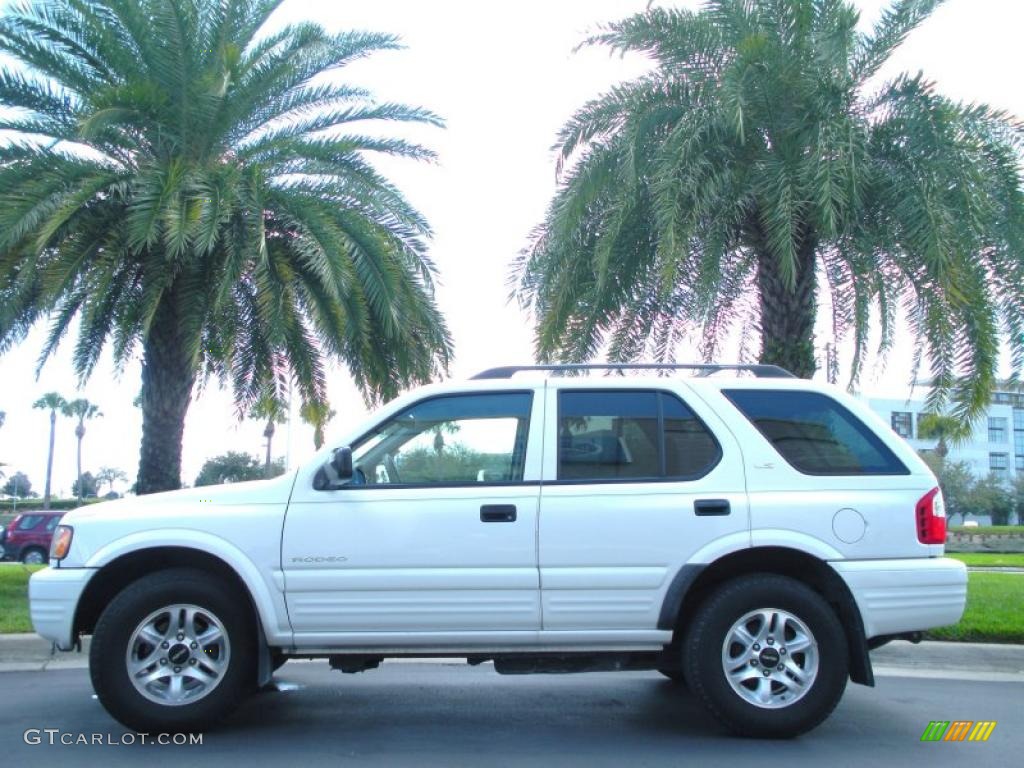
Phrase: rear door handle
(707, 507)
(498, 513)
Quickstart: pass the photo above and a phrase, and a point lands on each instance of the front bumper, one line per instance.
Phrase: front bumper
(908, 595)
(53, 595)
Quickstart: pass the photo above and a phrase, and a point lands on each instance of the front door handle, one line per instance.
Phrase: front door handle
(707, 507)
(498, 513)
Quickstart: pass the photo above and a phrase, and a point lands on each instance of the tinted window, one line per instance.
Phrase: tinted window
(630, 435)
(689, 448)
(52, 523)
(448, 440)
(28, 522)
(816, 434)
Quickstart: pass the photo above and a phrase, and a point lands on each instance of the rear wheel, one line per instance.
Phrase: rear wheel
(768, 656)
(33, 556)
(173, 652)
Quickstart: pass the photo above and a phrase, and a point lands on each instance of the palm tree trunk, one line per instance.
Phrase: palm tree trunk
(167, 378)
(79, 433)
(788, 312)
(49, 460)
(269, 434)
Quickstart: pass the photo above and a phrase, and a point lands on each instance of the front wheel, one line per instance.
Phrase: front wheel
(768, 656)
(173, 652)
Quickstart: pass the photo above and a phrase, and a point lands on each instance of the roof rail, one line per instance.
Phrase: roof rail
(759, 370)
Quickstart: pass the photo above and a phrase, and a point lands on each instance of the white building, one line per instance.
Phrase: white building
(997, 444)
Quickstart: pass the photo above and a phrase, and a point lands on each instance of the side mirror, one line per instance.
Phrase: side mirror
(341, 463)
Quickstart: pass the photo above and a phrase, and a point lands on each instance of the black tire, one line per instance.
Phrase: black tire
(29, 551)
(706, 635)
(113, 632)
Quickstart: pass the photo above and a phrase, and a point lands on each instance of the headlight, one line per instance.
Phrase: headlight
(61, 543)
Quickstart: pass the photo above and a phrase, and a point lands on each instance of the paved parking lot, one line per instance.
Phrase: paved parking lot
(452, 715)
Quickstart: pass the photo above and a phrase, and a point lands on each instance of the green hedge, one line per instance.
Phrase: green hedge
(979, 530)
(7, 510)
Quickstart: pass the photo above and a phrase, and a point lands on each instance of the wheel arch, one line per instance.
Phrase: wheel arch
(120, 571)
(694, 582)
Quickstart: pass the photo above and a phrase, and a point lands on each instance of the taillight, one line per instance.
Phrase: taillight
(931, 518)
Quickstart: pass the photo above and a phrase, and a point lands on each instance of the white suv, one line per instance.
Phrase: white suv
(753, 537)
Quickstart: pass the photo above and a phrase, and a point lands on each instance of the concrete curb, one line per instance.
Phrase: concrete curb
(933, 659)
(937, 658)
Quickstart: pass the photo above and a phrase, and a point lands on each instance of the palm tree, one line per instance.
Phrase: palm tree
(274, 409)
(759, 154)
(185, 179)
(83, 410)
(110, 475)
(53, 402)
(949, 431)
(317, 415)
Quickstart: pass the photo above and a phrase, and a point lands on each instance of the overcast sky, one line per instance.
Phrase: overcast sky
(504, 77)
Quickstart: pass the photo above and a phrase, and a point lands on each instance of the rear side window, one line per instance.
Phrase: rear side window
(815, 434)
(631, 435)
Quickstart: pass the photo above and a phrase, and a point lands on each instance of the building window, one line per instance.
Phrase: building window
(917, 417)
(999, 464)
(1018, 437)
(1015, 399)
(902, 424)
(997, 429)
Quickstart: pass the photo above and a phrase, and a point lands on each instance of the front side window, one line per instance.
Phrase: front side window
(816, 434)
(631, 435)
(448, 440)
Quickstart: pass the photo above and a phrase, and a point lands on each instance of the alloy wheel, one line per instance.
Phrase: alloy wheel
(178, 654)
(770, 658)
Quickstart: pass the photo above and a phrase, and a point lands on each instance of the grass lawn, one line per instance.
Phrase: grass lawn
(993, 612)
(14, 597)
(989, 559)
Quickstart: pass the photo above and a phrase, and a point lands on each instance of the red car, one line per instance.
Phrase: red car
(28, 536)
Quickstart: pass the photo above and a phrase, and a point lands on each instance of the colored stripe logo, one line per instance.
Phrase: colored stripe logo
(958, 730)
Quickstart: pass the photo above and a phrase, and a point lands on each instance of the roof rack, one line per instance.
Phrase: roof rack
(759, 370)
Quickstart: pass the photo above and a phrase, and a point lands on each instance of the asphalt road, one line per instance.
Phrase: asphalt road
(446, 715)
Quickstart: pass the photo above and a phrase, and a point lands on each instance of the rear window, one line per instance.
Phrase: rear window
(815, 434)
